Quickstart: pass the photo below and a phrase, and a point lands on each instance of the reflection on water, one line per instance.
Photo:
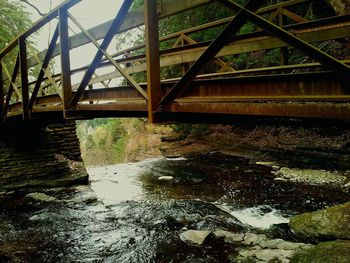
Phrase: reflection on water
(116, 183)
(129, 215)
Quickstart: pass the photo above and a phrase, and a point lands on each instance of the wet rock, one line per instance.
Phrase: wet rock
(282, 231)
(266, 163)
(311, 177)
(253, 239)
(282, 244)
(265, 255)
(293, 246)
(333, 222)
(165, 178)
(83, 194)
(273, 243)
(332, 251)
(228, 236)
(194, 237)
(41, 197)
(346, 187)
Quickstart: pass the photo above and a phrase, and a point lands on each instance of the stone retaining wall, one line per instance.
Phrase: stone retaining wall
(40, 156)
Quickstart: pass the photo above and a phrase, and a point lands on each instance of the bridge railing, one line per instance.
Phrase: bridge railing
(276, 27)
(17, 92)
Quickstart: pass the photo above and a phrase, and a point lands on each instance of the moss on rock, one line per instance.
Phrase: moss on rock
(333, 222)
(330, 252)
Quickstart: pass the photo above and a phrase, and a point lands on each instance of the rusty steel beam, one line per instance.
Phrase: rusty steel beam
(65, 59)
(341, 69)
(223, 38)
(238, 98)
(24, 77)
(293, 87)
(11, 88)
(271, 109)
(310, 32)
(117, 22)
(43, 67)
(110, 58)
(152, 59)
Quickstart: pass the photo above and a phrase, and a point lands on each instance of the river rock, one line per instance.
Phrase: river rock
(194, 237)
(273, 243)
(229, 237)
(326, 252)
(41, 197)
(311, 177)
(83, 194)
(346, 187)
(253, 239)
(265, 255)
(333, 222)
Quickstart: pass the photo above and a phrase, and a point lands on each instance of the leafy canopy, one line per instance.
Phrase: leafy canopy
(14, 20)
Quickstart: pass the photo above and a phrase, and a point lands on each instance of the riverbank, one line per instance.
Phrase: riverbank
(294, 145)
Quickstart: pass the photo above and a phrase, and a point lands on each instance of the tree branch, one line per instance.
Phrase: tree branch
(34, 7)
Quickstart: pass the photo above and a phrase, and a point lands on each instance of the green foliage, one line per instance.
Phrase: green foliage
(136, 4)
(102, 140)
(13, 21)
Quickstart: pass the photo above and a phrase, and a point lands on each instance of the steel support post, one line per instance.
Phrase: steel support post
(153, 59)
(65, 59)
(24, 77)
(43, 67)
(284, 50)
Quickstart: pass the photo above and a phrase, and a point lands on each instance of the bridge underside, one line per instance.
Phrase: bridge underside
(315, 87)
(311, 95)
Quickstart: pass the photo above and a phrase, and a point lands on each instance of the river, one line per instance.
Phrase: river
(135, 212)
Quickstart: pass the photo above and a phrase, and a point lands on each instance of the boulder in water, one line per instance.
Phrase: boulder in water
(229, 237)
(253, 239)
(194, 237)
(311, 177)
(332, 251)
(332, 222)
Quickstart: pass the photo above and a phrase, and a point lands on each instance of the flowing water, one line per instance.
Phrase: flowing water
(135, 212)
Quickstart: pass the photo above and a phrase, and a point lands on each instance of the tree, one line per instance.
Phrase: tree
(33, 6)
(14, 20)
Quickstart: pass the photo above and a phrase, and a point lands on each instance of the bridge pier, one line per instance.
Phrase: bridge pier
(37, 156)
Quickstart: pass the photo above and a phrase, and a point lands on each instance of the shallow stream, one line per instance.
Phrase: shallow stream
(135, 212)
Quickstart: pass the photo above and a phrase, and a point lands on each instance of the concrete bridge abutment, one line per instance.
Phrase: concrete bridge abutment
(36, 156)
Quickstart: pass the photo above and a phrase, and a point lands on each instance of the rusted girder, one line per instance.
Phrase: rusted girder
(117, 22)
(223, 38)
(341, 69)
(43, 67)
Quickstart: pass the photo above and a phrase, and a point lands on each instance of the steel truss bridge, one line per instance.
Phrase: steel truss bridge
(206, 82)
